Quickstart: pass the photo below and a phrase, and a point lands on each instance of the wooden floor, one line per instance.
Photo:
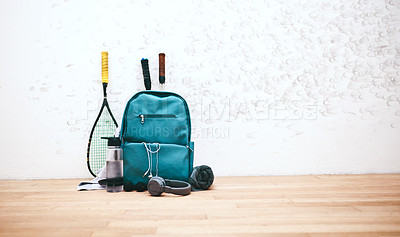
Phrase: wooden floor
(346, 205)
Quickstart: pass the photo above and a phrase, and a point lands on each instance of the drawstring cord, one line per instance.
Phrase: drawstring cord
(150, 157)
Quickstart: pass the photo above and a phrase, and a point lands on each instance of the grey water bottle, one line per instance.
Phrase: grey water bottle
(114, 165)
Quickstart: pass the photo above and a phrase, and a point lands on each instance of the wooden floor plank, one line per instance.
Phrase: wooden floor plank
(309, 206)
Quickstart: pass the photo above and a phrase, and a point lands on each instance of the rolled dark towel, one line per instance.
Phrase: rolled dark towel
(201, 178)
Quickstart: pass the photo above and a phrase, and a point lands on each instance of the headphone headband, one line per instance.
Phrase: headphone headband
(177, 187)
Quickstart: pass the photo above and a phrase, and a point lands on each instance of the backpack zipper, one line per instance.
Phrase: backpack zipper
(143, 116)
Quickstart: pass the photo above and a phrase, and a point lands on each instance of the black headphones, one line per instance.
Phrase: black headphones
(158, 185)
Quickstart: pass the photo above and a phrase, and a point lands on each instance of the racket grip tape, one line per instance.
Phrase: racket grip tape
(161, 66)
(104, 67)
(146, 73)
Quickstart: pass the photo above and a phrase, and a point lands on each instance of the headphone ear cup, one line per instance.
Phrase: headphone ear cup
(156, 186)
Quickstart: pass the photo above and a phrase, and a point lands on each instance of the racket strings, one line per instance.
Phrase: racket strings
(105, 127)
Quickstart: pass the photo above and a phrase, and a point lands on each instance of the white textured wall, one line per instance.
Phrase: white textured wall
(274, 87)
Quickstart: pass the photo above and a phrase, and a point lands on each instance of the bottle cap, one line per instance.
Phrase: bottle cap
(113, 141)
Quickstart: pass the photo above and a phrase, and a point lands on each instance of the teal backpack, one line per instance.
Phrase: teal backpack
(155, 135)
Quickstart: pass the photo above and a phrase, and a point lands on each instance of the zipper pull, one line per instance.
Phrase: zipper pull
(141, 118)
(188, 147)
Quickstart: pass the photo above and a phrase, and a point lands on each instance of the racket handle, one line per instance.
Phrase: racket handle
(146, 73)
(104, 67)
(161, 64)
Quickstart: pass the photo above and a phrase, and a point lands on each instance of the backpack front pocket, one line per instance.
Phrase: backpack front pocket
(161, 128)
(153, 116)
